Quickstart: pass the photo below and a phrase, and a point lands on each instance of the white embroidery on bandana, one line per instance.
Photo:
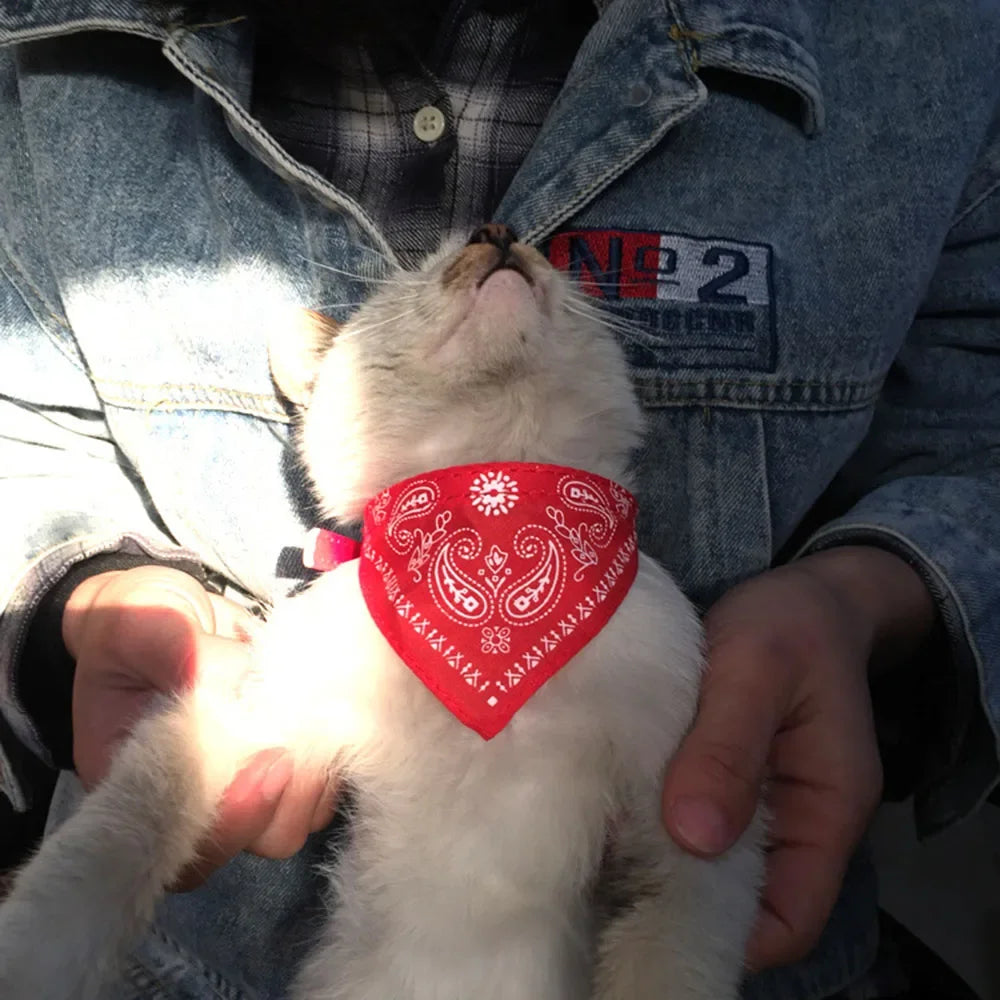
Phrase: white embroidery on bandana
(493, 493)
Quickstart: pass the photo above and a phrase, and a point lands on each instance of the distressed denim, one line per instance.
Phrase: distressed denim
(806, 270)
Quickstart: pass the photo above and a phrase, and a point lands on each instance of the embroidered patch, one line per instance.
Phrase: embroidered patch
(487, 579)
(697, 302)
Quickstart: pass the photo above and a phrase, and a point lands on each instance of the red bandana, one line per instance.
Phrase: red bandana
(486, 579)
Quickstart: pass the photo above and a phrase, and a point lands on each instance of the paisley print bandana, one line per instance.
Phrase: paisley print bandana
(486, 579)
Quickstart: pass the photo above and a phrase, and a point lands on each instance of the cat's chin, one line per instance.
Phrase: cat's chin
(498, 327)
(507, 289)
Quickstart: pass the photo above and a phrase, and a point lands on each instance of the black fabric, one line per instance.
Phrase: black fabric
(44, 673)
(21, 831)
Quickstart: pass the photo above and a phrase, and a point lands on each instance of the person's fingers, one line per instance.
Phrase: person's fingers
(269, 810)
(80, 601)
(810, 841)
(326, 805)
(821, 795)
(93, 609)
(802, 884)
(247, 809)
(292, 821)
(152, 630)
(232, 620)
(108, 699)
(713, 783)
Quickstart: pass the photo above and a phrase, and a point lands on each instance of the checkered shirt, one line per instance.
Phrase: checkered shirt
(345, 101)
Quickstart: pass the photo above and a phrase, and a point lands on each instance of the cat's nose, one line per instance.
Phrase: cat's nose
(497, 233)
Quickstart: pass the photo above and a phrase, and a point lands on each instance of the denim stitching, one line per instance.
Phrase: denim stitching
(182, 387)
(75, 360)
(23, 275)
(657, 390)
(75, 27)
(619, 168)
(868, 386)
(988, 193)
(216, 405)
(190, 395)
(253, 131)
(685, 41)
(219, 986)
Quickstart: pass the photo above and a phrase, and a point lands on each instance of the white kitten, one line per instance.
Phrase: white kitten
(531, 866)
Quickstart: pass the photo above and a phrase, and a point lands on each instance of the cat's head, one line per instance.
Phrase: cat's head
(485, 353)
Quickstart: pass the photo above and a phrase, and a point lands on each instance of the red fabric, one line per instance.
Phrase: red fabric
(486, 579)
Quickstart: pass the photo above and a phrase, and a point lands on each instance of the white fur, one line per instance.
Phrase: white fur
(473, 866)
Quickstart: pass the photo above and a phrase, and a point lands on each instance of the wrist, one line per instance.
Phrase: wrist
(883, 593)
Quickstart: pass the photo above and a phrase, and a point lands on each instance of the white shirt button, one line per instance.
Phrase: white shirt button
(428, 123)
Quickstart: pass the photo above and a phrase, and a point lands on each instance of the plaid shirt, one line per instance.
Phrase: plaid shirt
(346, 101)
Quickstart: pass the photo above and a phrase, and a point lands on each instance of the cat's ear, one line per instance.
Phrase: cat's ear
(296, 351)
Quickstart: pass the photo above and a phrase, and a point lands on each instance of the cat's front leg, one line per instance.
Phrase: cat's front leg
(91, 888)
(674, 926)
(90, 891)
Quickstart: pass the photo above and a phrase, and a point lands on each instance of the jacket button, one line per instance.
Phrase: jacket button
(639, 93)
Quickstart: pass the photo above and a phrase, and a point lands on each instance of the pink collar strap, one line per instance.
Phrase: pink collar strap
(487, 579)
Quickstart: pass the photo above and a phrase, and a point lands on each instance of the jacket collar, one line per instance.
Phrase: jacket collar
(769, 40)
(657, 38)
(28, 20)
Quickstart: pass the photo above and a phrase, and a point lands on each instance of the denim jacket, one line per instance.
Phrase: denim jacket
(793, 206)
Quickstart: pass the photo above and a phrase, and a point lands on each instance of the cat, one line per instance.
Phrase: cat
(532, 865)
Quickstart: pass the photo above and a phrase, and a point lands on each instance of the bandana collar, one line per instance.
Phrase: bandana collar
(487, 579)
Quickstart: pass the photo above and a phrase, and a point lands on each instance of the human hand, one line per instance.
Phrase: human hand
(785, 701)
(149, 630)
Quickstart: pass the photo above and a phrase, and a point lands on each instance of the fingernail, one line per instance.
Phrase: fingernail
(167, 594)
(701, 824)
(276, 778)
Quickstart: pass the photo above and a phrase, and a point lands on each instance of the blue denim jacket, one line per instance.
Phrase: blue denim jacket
(809, 267)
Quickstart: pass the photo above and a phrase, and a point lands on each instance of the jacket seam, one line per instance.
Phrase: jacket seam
(212, 406)
(217, 982)
(806, 84)
(183, 386)
(75, 360)
(12, 37)
(689, 107)
(173, 53)
(226, 399)
(650, 401)
(682, 40)
(22, 274)
(42, 303)
(982, 199)
(869, 385)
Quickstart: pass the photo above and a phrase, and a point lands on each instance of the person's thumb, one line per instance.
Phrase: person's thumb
(713, 784)
(143, 618)
(133, 634)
